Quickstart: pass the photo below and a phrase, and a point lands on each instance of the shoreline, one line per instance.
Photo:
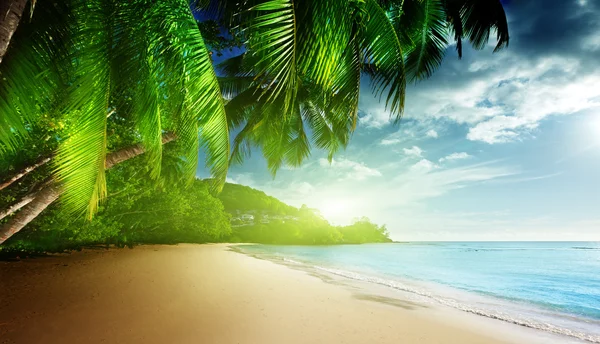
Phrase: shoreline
(425, 295)
(212, 294)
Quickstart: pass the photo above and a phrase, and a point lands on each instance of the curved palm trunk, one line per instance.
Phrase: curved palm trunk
(20, 204)
(11, 12)
(42, 200)
(23, 173)
(50, 193)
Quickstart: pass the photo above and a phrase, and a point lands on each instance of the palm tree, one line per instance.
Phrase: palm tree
(90, 65)
(12, 11)
(84, 65)
(312, 68)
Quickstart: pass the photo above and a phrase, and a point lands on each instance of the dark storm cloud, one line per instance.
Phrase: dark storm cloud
(543, 27)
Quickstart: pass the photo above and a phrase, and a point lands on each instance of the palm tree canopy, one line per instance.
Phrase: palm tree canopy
(109, 73)
(307, 57)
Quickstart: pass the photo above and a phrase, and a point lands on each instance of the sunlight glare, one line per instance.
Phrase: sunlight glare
(333, 209)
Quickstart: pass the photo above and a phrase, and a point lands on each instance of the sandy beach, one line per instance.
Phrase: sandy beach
(207, 294)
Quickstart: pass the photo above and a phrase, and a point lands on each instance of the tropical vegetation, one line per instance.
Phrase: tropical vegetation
(86, 85)
(140, 211)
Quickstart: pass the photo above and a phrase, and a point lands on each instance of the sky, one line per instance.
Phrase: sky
(496, 146)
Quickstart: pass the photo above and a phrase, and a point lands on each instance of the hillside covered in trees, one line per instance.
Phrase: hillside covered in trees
(236, 197)
(258, 217)
(142, 211)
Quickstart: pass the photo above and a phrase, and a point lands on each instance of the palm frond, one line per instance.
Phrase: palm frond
(236, 66)
(324, 34)
(453, 17)
(237, 109)
(31, 74)
(429, 39)
(273, 43)
(203, 113)
(246, 138)
(232, 86)
(299, 146)
(274, 136)
(344, 102)
(384, 52)
(80, 159)
(480, 17)
(149, 124)
(136, 70)
(323, 132)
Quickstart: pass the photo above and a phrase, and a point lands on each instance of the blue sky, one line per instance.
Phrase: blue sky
(502, 146)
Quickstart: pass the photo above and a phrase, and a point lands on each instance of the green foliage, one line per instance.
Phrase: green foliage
(138, 211)
(110, 73)
(278, 223)
(244, 198)
(308, 230)
(306, 58)
(428, 41)
(88, 64)
(215, 40)
(30, 80)
(362, 231)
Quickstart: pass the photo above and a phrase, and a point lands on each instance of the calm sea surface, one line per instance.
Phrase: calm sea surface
(549, 286)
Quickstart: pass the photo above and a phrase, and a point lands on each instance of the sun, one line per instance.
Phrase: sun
(333, 209)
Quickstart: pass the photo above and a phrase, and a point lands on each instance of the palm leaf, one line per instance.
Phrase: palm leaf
(238, 108)
(384, 53)
(298, 148)
(203, 113)
(429, 39)
(236, 66)
(31, 74)
(480, 17)
(136, 66)
(344, 102)
(324, 34)
(80, 159)
(323, 132)
(453, 17)
(232, 86)
(273, 45)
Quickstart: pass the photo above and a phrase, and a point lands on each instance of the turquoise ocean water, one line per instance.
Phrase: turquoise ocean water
(548, 286)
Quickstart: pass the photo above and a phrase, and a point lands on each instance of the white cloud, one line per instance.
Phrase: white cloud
(372, 121)
(527, 102)
(241, 178)
(591, 42)
(499, 129)
(508, 95)
(374, 113)
(358, 188)
(432, 181)
(410, 186)
(413, 152)
(432, 133)
(303, 188)
(478, 65)
(455, 156)
(423, 166)
(348, 169)
(388, 142)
